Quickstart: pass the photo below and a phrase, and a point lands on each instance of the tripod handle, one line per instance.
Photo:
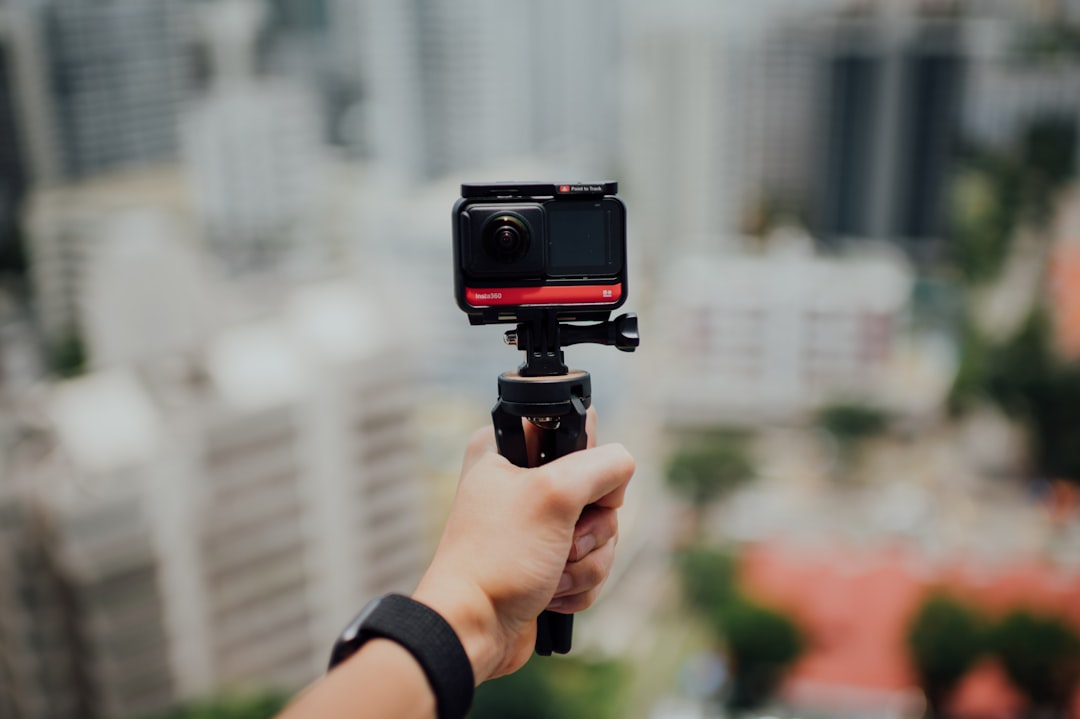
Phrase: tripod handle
(554, 630)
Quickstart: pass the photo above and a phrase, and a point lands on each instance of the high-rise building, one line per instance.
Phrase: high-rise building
(288, 486)
(688, 124)
(27, 146)
(228, 555)
(43, 662)
(109, 564)
(252, 148)
(845, 118)
(308, 504)
(68, 226)
(719, 118)
(12, 163)
(446, 88)
(117, 73)
(892, 119)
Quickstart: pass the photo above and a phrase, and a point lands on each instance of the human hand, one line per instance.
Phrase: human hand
(519, 541)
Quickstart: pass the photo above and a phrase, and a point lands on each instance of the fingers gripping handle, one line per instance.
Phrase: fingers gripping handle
(554, 631)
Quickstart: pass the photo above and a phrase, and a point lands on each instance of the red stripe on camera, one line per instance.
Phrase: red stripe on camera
(524, 296)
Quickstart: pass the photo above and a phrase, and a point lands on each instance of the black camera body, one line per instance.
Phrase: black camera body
(522, 247)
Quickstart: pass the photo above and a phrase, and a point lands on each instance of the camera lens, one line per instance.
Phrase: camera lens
(506, 238)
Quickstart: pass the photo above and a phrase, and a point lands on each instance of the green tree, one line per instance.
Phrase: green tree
(762, 643)
(67, 358)
(1050, 42)
(253, 706)
(707, 576)
(13, 260)
(984, 206)
(850, 425)
(1048, 149)
(944, 639)
(705, 470)
(996, 192)
(525, 694)
(554, 688)
(1041, 654)
(1025, 378)
(969, 384)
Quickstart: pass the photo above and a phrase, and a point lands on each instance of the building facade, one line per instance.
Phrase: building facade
(756, 337)
(194, 533)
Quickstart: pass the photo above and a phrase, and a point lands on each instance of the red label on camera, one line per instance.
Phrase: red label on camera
(524, 296)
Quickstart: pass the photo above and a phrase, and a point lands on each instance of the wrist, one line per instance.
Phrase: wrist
(424, 633)
(468, 610)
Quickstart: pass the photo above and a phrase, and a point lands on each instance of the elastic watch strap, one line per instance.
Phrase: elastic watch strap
(428, 637)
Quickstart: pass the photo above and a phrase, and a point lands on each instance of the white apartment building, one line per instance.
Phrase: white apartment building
(218, 519)
(748, 338)
(238, 473)
(448, 88)
(42, 666)
(254, 159)
(252, 148)
(68, 227)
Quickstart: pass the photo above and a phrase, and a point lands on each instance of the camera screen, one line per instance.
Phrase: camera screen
(580, 238)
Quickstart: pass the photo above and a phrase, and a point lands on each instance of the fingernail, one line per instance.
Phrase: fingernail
(584, 545)
(565, 582)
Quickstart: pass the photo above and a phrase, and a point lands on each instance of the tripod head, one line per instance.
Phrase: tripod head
(542, 336)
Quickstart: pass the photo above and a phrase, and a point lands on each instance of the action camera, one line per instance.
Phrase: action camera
(520, 247)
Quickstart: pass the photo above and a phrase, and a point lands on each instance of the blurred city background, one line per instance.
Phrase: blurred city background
(235, 387)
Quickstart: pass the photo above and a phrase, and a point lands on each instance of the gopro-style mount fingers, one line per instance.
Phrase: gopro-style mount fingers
(555, 399)
(542, 337)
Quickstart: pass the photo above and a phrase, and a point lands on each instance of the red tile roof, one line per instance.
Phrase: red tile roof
(1064, 297)
(854, 605)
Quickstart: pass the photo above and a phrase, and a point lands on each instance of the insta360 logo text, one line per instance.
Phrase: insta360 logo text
(489, 295)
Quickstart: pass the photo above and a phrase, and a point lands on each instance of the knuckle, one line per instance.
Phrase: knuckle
(625, 461)
(553, 495)
(479, 438)
(610, 523)
(582, 601)
(591, 571)
(595, 574)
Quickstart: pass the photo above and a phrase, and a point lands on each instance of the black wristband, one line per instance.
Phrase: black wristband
(427, 636)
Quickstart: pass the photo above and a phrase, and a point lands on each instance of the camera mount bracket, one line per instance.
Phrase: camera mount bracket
(541, 336)
(555, 399)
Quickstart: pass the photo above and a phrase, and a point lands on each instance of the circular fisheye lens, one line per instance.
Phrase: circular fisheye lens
(506, 238)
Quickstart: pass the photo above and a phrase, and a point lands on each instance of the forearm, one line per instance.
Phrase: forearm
(381, 680)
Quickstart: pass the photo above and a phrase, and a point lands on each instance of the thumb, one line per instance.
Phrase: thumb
(594, 476)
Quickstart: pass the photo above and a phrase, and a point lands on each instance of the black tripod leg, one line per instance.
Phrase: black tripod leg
(509, 435)
(554, 630)
(570, 436)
